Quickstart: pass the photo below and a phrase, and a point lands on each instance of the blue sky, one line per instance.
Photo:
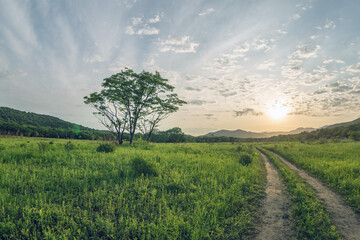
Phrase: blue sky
(232, 61)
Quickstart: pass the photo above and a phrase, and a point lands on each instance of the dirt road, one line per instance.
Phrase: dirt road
(275, 212)
(343, 217)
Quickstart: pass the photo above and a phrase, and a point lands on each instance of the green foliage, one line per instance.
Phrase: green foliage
(69, 146)
(201, 192)
(355, 135)
(141, 167)
(311, 218)
(127, 97)
(105, 147)
(43, 146)
(245, 159)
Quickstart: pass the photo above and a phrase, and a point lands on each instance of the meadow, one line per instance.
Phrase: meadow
(53, 189)
(336, 164)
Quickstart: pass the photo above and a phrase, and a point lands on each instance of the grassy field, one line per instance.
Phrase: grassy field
(336, 164)
(311, 218)
(50, 189)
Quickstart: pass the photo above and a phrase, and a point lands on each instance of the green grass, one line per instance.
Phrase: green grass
(336, 164)
(145, 191)
(311, 219)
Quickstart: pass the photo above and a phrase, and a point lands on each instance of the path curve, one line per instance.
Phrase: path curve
(275, 209)
(343, 216)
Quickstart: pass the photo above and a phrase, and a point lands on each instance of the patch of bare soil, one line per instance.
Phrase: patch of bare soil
(275, 212)
(343, 216)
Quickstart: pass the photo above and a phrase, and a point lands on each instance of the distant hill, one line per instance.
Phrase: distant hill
(246, 134)
(34, 119)
(344, 124)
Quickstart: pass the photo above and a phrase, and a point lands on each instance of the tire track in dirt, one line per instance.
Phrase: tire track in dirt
(344, 218)
(275, 209)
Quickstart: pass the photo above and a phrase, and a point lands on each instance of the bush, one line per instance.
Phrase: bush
(69, 146)
(245, 159)
(141, 167)
(105, 148)
(43, 146)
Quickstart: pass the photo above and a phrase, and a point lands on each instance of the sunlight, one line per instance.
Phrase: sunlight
(278, 111)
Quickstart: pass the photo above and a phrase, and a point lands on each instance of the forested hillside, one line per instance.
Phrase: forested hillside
(333, 133)
(34, 119)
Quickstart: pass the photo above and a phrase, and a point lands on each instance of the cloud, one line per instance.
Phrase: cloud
(138, 27)
(262, 44)
(208, 11)
(295, 17)
(197, 102)
(329, 24)
(147, 30)
(247, 112)
(281, 31)
(155, 19)
(354, 68)
(320, 91)
(266, 65)
(94, 58)
(178, 45)
(333, 61)
(227, 93)
(306, 51)
(136, 21)
(193, 89)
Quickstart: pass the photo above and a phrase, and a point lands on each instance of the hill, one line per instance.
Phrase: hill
(344, 124)
(246, 134)
(34, 119)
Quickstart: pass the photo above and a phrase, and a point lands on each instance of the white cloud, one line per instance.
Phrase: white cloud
(261, 44)
(208, 11)
(306, 51)
(266, 65)
(136, 21)
(129, 30)
(94, 58)
(295, 17)
(333, 61)
(178, 45)
(138, 26)
(155, 19)
(281, 31)
(329, 24)
(147, 30)
(354, 68)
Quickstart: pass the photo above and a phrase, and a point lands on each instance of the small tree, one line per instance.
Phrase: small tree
(159, 111)
(128, 96)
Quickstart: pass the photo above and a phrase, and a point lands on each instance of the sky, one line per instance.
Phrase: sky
(234, 62)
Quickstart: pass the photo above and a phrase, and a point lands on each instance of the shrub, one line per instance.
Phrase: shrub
(43, 146)
(2, 147)
(140, 166)
(105, 148)
(69, 146)
(245, 159)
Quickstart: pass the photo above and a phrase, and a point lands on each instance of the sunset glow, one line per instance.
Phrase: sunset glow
(278, 112)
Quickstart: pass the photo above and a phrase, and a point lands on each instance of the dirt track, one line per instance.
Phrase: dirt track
(343, 217)
(275, 212)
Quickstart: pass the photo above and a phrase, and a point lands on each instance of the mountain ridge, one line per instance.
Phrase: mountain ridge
(239, 133)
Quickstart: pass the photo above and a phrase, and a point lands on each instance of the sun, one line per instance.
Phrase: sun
(278, 112)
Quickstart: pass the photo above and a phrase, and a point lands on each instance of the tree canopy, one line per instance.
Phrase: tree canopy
(128, 98)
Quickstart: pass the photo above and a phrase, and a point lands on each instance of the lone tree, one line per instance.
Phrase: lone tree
(127, 97)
